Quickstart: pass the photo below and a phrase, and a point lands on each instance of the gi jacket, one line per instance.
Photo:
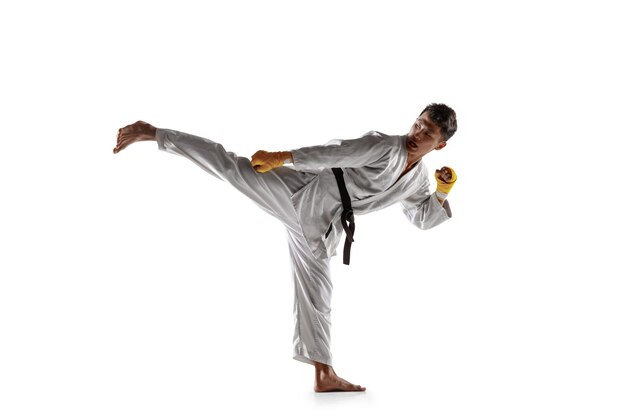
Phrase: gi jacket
(372, 167)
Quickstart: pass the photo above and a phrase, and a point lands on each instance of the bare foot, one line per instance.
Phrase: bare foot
(136, 132)
(326, 380)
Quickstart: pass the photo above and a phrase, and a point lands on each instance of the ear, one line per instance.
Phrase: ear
(441, 145)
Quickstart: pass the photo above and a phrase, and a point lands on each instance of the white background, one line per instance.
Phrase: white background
(138, 285)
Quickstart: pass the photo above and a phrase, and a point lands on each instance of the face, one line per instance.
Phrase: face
(423, 137)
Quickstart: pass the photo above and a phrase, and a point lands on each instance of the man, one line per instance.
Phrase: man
(377, 170)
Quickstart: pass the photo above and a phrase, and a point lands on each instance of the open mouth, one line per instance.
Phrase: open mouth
(413, 145)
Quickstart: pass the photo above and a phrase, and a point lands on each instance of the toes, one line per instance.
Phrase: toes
(347, 386)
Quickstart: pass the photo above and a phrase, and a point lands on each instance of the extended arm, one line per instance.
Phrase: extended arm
(343, 153)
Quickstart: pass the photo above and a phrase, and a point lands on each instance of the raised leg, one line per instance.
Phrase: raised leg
(271, 191)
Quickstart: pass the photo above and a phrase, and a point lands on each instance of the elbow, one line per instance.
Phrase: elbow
(417, 218)
(424, 218)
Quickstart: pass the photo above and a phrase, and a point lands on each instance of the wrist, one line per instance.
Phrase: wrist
(152, 132)
(286, 157)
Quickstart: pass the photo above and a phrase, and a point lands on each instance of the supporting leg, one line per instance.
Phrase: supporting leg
(312, 298)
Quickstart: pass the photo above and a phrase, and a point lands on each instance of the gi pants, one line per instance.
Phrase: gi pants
(272, 191)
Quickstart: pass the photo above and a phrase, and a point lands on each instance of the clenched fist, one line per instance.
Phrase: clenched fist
(263, 161)
(446, 177)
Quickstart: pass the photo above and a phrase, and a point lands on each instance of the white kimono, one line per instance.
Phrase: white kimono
(305, 198)
(372, 165)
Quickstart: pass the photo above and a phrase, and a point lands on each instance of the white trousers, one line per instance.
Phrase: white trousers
(272, 191)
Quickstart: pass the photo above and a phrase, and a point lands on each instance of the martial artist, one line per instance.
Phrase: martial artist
(317, 197)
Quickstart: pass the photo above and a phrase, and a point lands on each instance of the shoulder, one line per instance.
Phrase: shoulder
(376, 137)
(370, 138)
(375, 133)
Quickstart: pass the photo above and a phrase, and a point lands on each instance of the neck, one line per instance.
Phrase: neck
(411, 161)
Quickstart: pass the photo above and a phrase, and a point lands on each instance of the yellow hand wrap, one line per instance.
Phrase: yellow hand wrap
(263, 161)
(443, 188)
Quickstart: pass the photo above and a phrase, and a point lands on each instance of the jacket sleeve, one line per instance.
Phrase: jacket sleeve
(350, 153)
(425, 211)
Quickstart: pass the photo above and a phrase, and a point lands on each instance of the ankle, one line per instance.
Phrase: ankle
(322, 369)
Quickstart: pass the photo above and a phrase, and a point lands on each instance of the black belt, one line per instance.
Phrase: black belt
(347, 216)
